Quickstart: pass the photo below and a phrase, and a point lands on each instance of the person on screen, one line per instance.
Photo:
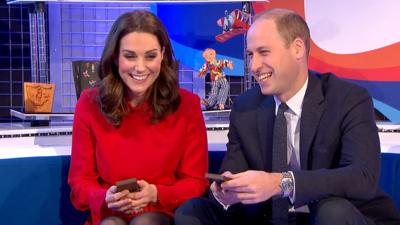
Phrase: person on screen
(219, 84)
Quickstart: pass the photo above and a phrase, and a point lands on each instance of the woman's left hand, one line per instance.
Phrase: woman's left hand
(146, 195)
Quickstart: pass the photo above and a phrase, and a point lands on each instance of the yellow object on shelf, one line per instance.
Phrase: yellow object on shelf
(38, 97)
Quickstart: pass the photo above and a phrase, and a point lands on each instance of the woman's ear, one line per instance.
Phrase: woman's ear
(162, 53)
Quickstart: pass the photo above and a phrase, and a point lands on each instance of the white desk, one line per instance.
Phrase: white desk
(20, 140)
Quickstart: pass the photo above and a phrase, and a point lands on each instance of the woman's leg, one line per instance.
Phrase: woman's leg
(152, 218)
(112, 220)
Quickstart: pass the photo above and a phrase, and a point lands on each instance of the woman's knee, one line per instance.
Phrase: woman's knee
(151, 218)
(113, 220)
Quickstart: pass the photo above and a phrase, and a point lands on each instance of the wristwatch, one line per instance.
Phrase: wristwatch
(287, 184)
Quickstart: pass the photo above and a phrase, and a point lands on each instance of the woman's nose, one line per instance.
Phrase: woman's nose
(140, 65)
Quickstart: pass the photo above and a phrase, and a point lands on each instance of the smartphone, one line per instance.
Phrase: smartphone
(130, 184)
(218, 178)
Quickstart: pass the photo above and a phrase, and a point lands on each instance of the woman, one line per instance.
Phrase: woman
(137, 123)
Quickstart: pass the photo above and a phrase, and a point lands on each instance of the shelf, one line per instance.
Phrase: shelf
(41, 116)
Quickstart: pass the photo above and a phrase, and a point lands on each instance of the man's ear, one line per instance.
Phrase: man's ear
(299, 49)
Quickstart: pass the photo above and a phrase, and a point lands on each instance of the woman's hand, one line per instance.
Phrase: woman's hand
(146, 195)
(118, 201)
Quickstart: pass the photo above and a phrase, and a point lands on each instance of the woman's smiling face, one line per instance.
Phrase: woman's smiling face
(139, 62)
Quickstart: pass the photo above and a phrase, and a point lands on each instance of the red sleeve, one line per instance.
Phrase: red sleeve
(223, 63)
(203, 70)
(194, 162)
(86, 192)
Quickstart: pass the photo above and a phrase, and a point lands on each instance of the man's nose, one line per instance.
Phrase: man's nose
(255, 64)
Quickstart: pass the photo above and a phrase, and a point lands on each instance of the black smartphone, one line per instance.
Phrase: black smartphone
(218, 178)
(130, 184)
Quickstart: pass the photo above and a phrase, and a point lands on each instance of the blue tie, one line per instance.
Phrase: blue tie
(280, 206)
(279, 147)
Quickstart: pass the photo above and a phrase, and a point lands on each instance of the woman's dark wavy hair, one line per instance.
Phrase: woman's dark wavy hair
(163, 95)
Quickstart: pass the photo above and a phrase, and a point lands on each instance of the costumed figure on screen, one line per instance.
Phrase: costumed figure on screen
(219, 84)
(245, 16)
(234, 23)
(228, 22)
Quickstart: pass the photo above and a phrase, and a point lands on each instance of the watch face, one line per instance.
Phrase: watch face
(286, 186)
(287, 183)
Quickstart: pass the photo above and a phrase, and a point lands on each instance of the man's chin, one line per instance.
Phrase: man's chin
(266, 91)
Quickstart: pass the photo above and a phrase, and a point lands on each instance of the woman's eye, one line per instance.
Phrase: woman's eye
(129, 56)
(151, 56)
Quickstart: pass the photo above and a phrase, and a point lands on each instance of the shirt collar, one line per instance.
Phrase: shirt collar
(295, 103)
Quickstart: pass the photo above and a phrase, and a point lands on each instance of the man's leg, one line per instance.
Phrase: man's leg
(337, 211)
(199, 211)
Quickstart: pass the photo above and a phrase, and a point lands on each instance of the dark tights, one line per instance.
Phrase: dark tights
(150, 218)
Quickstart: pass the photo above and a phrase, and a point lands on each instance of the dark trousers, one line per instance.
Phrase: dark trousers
(330, 211)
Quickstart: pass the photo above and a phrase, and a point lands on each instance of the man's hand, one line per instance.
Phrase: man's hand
(224, 197)
(252, 186)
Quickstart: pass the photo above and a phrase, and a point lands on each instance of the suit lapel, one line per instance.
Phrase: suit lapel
(313, 107)
(265, 124)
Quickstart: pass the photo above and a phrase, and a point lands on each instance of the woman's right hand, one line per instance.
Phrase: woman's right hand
(118, 201)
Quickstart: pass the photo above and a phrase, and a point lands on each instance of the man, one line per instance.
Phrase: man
(331, 146)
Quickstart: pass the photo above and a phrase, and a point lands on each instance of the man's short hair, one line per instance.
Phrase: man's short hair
(289, 24)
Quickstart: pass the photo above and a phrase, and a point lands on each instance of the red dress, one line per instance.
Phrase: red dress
(171, 154)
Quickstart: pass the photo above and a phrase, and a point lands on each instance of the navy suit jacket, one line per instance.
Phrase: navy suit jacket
(339, 144)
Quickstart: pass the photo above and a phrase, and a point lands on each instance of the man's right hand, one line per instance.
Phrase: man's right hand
(226, 198)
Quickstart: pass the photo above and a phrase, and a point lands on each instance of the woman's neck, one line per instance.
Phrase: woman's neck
(135, 100)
